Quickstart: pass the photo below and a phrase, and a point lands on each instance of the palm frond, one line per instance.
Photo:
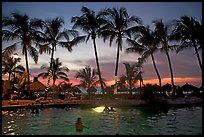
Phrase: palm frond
(44, 48)
(33, 54)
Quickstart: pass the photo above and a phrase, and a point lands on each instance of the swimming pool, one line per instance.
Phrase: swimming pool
(124, 121)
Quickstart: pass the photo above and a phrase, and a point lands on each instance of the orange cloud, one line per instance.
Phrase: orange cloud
(177, 81)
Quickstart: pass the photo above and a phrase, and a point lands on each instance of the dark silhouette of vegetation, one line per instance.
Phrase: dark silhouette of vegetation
(90, 23)
(57, 71)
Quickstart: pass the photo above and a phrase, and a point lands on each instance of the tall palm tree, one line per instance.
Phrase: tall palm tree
(118, 27)
(189, 31)
(21, 27)
(88, 77)
(57, 71)
(161, 32)
(54, 36)
(133, 74)
(90, 23)
(145, 44)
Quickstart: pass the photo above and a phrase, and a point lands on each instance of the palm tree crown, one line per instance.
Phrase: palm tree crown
(117, 27)
(88, 76)
(133, 74)
(189, 32)
(162, 34)
(90, 23)
(146, 43)
(53, 36)
(57, 73)
(25, 29)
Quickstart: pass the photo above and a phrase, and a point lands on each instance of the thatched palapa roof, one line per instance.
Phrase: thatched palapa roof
(37, 86)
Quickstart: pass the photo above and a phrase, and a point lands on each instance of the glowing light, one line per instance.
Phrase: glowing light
(99, 109)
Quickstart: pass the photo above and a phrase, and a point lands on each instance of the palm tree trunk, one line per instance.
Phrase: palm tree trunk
(27, 68)
(97, 63)
(199, 60)
(9, 78)
(54, 80)
(172, 77)
(157, 72)
(116, 69)
(117, 60)
(51, 69)
(52, 58)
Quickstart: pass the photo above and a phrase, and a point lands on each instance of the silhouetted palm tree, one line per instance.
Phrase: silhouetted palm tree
(118, 27)
(161, 32)
(88, 77)
(21, 27)
(132, 75)
(10, 66)
(140, 66)
(146, 44)
(58, 72)
(90, 23)
(54, 36)
(189, 31)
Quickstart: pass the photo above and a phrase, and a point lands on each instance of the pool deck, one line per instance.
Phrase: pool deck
(16, 104)
(12, 104)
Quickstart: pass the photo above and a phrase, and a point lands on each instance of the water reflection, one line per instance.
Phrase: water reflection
(124, 121)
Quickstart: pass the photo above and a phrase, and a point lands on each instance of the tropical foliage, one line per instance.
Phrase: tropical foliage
(162, 34)
(88, 77)
(113, 24)
(118, 26)
(90, 23)
(133, 75)
(21, 27)
(9, 65)
(189, 31)
(58, 72)
(146, 44)
(52, 36)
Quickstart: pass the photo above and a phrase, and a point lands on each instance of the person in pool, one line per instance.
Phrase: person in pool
(79, 125)
(111, 109)
(106, 109)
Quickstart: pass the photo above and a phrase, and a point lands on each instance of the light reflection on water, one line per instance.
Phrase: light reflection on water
(124, 121)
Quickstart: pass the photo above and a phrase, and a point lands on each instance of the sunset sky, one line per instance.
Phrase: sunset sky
(185, 64)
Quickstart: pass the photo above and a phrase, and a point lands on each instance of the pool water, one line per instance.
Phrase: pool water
(124, 121)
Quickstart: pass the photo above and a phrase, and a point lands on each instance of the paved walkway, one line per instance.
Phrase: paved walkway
(116, 102)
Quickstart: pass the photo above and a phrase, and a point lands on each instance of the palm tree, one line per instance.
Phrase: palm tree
(9, 63)
(145, 44)
(139, 65)
(25, 29)
(189, 31)
(53, 36)
(133, 74)
(90, 23)
(22, 80)
(88, 77)
(117, 27)
(10, 66)
(58, 71)
(161, 32)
